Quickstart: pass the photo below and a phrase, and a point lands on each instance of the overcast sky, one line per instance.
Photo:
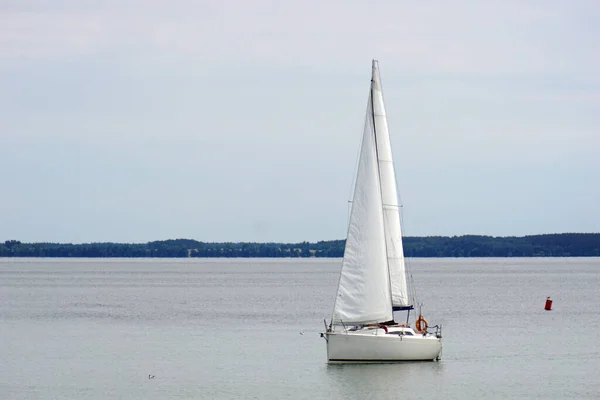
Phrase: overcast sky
(132, 121)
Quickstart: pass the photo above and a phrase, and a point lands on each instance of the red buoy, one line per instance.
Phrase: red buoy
(548, 305)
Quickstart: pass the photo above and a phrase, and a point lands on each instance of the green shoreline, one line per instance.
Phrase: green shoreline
(547, 245)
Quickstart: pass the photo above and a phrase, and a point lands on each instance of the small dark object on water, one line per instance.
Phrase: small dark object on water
(150, 376)
(548, 305)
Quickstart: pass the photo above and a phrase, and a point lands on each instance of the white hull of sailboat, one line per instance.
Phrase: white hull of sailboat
(356, 348)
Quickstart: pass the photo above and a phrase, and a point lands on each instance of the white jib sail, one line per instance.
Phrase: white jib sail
(364, 294)
(389, 194)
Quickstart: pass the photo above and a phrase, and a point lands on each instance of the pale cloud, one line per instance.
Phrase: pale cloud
(241, 120)
(440, 36)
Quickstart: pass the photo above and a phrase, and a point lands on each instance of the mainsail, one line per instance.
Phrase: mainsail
(364, 294)
(373, 278)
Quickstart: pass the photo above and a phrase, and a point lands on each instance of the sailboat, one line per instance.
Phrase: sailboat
(373, 279)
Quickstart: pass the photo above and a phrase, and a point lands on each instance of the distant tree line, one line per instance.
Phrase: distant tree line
(550, 245)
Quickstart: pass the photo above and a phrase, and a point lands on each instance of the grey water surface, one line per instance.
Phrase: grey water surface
(249, 328)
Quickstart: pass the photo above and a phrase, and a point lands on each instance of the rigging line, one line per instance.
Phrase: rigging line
(356, 162)
(413, 287)
(398, 195)
(408, 265)
(402, 276)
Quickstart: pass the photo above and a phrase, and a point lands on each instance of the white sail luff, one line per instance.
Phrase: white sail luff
(364, 294)
(389, 194)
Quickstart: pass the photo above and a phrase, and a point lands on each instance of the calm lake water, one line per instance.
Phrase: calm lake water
(216, 329)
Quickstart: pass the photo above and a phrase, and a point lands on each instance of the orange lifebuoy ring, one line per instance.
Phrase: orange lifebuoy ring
(421, 324)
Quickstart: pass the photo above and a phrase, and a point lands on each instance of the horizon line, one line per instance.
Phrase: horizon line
(303, 241)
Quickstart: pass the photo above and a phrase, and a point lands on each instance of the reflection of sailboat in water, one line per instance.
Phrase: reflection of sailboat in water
(381, 381)
(372, 281)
